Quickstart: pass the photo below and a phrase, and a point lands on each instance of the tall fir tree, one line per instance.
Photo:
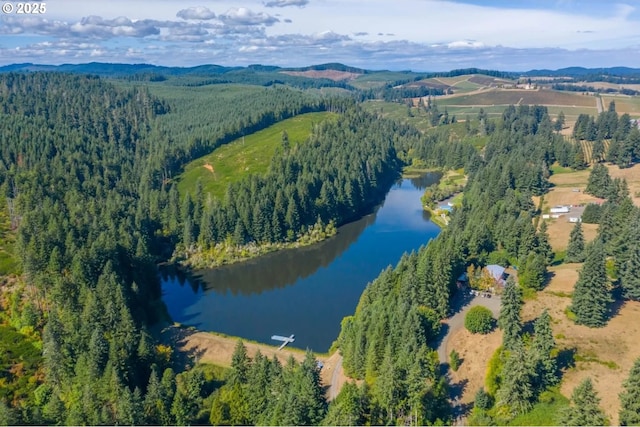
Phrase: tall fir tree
(575, 249)
(585, 410)
(509, 320)
(592, 295)
(240, 363)
(630, 261)
(543, 343)
(599, 183)
(516, 390)
(630, 398)
(544, 247)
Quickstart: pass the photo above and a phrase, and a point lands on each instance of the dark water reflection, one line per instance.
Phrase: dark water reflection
(304, 291)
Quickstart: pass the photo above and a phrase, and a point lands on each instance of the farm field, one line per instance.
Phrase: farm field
(624, 104)
(244, 156)
(514, 97)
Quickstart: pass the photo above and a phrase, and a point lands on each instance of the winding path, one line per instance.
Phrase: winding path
(461, 304)
(336, 385)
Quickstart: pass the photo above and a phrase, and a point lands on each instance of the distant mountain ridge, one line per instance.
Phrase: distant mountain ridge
(118, 69)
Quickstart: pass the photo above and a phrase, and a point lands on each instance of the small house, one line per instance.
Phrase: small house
(575, 219)
(497, 272)
(559, 209)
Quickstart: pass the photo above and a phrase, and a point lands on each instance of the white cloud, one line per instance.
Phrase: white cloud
(465, 44)
(244, 16)
(198, 12)
(285, 3)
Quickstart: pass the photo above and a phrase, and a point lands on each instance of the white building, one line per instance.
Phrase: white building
(559, 209)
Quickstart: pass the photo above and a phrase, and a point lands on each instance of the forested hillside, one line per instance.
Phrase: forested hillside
(399, 313)
(82, 166)
(88, 167)
(86, 170)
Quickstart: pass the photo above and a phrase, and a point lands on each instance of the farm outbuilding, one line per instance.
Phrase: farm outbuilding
(559, 209)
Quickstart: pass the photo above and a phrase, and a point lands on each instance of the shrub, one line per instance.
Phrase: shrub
(479, 320)
(454, 360)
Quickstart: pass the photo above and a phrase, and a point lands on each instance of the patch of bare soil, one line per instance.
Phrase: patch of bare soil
(604, 354)
(475, 351)
(560, 229)
(324, 74)
(208, 167)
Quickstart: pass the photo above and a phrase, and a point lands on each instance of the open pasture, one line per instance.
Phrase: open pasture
(244, 156)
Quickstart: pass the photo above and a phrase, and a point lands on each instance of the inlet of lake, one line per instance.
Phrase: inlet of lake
(305, 291)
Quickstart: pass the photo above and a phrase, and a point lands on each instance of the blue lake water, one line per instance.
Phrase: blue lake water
(306, 291)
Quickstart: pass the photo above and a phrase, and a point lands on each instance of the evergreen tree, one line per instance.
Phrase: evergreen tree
(516, 391)
(544, 247)
(543, 343)
(630, 261)
(346, 409)
(591, 295)
(630, 397)
(585, 410)
(559, 123)
(597, 150)
(533, 273)
(240, 363)
(599, 183)
(575, 249)
(509, 320)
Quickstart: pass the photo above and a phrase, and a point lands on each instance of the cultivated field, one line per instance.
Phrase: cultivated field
(624, 104)
(516, 97)
(244, 156)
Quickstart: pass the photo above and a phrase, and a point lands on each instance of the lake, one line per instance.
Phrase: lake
(305, 291)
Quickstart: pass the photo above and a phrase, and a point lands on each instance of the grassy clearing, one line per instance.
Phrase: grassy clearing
(466, 86)
(400, 112)
(245, 156)
(557, 169)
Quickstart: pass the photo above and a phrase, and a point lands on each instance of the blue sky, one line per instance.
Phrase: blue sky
(421, 35)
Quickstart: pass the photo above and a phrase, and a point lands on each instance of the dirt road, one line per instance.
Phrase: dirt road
(450, 328)
(453, 324)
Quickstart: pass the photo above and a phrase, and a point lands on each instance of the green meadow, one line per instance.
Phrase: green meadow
(251, 154)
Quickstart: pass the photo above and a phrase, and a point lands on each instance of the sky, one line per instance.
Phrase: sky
(418, 35)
